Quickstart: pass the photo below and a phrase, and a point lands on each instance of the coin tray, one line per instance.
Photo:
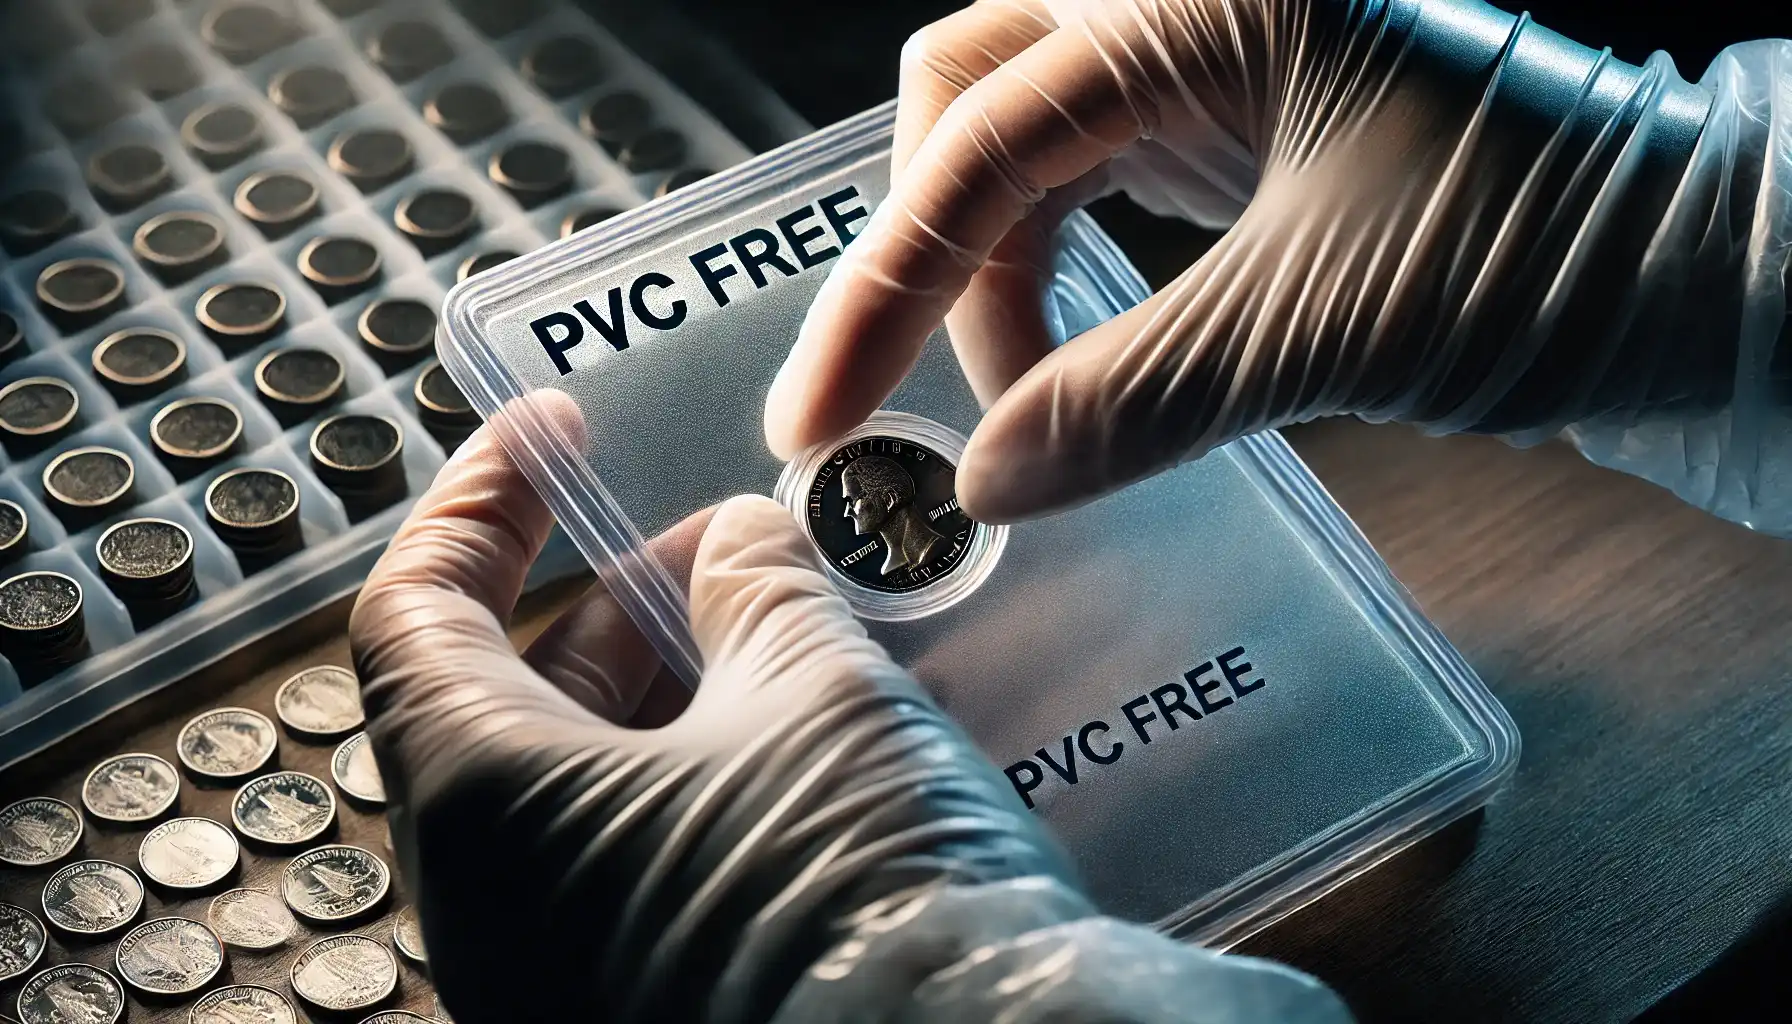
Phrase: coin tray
(62, 130)
(1350, 729)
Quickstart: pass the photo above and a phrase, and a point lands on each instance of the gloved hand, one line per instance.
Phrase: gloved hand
(1439, 213)
(809, 833)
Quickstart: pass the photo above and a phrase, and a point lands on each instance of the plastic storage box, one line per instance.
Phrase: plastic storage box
(1208, 684)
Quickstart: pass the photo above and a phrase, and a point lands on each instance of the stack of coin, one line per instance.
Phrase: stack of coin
(137, 362)
(361, 458)
(563, 65)
(241, 31)
(85, 485)
(311, 94)
(277, 201)
(148, 563)
(397, 332)
(533, 172)
(616, 120)
(78, 293)
(466, 111)
(436, 219)
(42, 627)
(241, 313)
(33, 218)
(15, 528)
(338, 266)
(220, 134)
(180, 245)
(255, 511)
(406, 49)
(372, 158)
(191, 434)
(295, 383)
(35, 411)
(128, 175)
(441, 407)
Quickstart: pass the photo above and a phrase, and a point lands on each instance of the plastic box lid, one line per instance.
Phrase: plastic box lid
(1323, 724)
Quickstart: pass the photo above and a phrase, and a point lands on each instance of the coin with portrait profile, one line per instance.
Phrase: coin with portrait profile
(884, 511)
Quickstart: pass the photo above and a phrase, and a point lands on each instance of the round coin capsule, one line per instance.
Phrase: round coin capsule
(372, 158)
(148, 563)
(15, 526)
(406, 49)
(466, 111)
(42, 628)
(323, 700)
(241, 313)
(188, 853)
(277, 201)
(338, 266)
(532, 172)
(679, 179)
(170, 956)
(251, 919)
(191, 433)
(441, 407)
(84, 485)
(311, 93)
(295, 383)
(591, 216)
(38, 830)
(220, 134)
(22, 941)
(127, 175)
(283, 809)
(335, 883)
(242, 1004)
(616, 120)
(564, 65)
(136, 362)
(161, 70)
(12, 338)
(36, 409)
(255, 511)
(397, 331)
(658, 150)
(436, 219)
(130, 788)
(80, 292)
(360, 457)
(51, 992)
(227, 743)
(181, 244)
(33, 218)
(242, 31)
(479, 263)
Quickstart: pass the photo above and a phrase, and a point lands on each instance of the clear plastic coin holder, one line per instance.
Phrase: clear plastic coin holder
(82, 80)
(1207, 684)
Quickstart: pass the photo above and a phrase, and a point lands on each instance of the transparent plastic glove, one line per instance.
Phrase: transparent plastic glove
(808, 829)
(1439, 213)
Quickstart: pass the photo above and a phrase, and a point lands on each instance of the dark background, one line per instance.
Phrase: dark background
(830, 59)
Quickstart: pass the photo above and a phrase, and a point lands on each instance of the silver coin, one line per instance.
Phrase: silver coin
(242, 1004)
(407, 935)
(355, 771)
(344, 972)
(285, 808)
(251, 919)
(331, 883)
(130, 788)
(38, 830)
(396, 1017)
(442, 1012)
(71, 994)
(227, 743)
(170, 956)
(21, 941)
(92, 897)
(324, 701)
(187, 853)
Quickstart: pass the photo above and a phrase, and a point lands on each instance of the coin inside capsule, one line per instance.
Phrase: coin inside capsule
(37, 407)
(85, 484)
(277, 201)
(161, 70)
(241, 312)
(371, 158)
(242, 31)
(80, 292)
(180, 244)
(196, 430)
(579, 220)
(148, 563)
(617, 119)
(15, 527)
(127, 175)
(255, 511)
(338, 266)
(405, 49)
(311, 94)
(220, 134)
(466, 111)
(33, 218)
(296, 382)
(397, 330)
(563, 65)
(533, 172)
(137, 361)
(436, 219)
(479, 263)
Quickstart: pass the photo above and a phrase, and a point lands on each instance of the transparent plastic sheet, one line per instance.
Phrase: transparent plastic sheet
(1366, 732)
(235, 609)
